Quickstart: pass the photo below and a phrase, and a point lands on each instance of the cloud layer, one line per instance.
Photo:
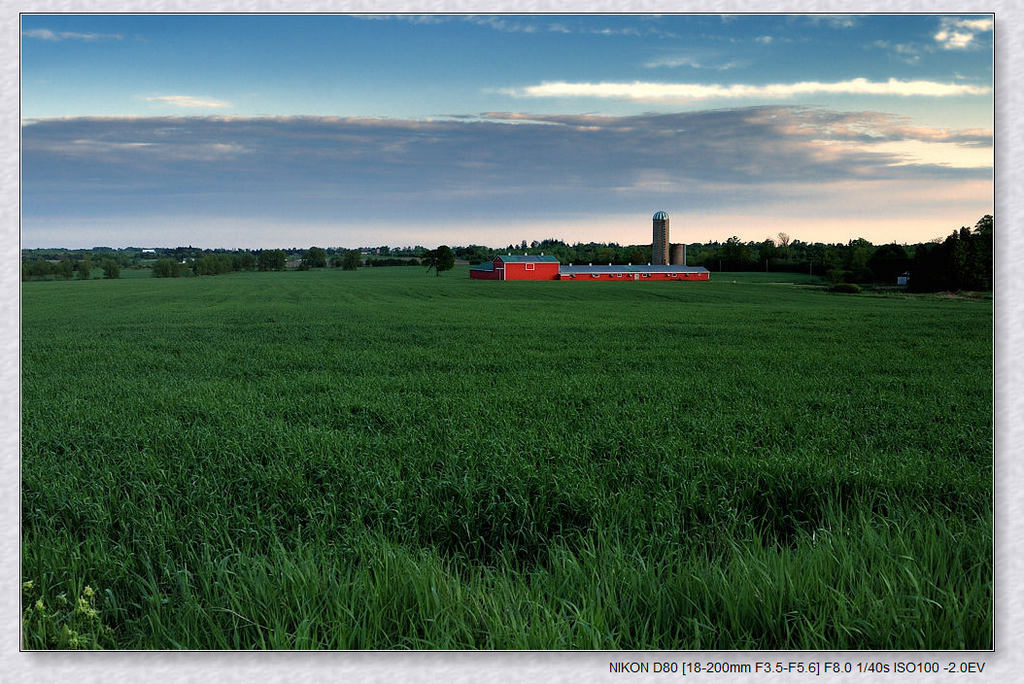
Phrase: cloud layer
(555, 167)
(640, 90)
(525, 24)
(188, 101)
(691, 62)
(55, 36)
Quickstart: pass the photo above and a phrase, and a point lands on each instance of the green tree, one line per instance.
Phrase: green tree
(815, 254)
(888, 262)
(111, 269)
(38, 268)
(927, 270)
(638, 254)
(981, 266)
(213, 264)
(960, 258)
(204, 265)
(243, 261)
(352, 260)
(85, 268)
(440, 259)
(766, 252)
(831, 257)
(605, 255)
(65, 269)
(735, 255)
(315, 257)
(856, 259)
(271, 260)
(167, 268)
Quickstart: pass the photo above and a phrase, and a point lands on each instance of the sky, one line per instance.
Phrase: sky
(250, 131)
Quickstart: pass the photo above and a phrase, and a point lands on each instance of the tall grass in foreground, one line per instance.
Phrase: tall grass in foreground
(384, 460)
(868, 585)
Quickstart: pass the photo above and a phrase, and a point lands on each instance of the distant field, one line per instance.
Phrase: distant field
(385, 459)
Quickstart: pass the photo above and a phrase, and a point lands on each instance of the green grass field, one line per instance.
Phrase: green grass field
(383, 459)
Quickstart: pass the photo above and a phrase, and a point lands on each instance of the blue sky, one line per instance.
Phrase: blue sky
(280, 130)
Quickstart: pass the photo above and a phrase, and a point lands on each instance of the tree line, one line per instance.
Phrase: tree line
(63, 264)
(962, 261)
(66, 269)
(260, 260)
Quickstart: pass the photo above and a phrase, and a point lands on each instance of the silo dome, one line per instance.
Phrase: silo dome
(660, 216)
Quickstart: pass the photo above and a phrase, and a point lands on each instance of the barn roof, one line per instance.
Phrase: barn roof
(520, 258)
(486, 266)
(577, 269)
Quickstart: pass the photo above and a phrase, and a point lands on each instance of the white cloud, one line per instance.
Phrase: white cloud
(411, 18)
(516, 24)
(683, 61)
(501, 24)
(55, 36)
(959, 34)
(764, 39)
(533, 24)
(188, 101)
(113, 151)
(954, 40)
(951, 155)
(976, 25)
(906, 52)
(673, 62)
(835, 20)
(639, 90)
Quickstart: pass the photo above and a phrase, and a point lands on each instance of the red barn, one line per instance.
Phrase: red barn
(517, 267)
(630, 272)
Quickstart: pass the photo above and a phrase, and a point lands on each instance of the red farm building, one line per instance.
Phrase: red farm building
(517, 267)
(630, 272)
(541, 267)
(669, 264)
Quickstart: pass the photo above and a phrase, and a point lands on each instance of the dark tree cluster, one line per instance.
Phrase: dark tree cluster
(579, 253)
(37, 269)
(271, 259)
(963, 261)
(351, 260)
(384, 250)
(212, 264)
(315, 257)
(168, 268)
(392, 261)
(67, 268)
